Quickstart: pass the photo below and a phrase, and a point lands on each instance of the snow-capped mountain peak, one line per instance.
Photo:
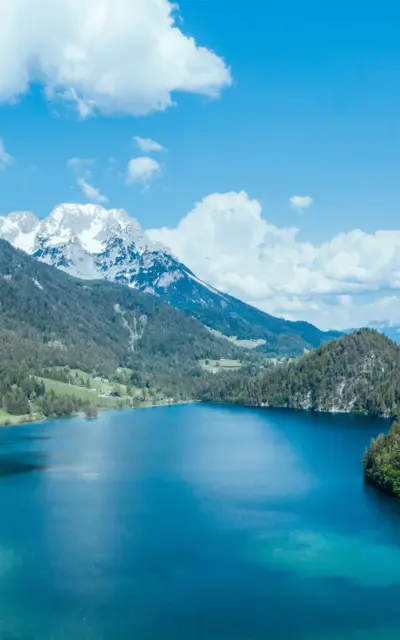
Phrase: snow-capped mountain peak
(89, 224)
(20, 229)
(88, 241)
(91, 242)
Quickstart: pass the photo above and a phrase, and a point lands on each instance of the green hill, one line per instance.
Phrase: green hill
(359, 372)
(382, 461)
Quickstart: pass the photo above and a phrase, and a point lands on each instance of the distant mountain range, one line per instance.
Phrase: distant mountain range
(387, 328)
(90, 242)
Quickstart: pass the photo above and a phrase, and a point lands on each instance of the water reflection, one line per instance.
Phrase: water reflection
(195, 522)
(229, 458)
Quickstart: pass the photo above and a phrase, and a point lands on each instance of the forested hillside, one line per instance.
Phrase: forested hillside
(127, 255)
(359, 372)
(48, 319)
(382, 461)
(232, 317)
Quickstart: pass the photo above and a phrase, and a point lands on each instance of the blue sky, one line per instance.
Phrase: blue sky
(312, 110)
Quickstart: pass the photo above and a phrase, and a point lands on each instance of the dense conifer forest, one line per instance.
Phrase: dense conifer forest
(49, 319)
(359, 372)
(382, 461)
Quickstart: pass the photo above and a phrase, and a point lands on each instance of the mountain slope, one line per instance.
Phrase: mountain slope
(359, 372)
(90, 242)
(100, 325)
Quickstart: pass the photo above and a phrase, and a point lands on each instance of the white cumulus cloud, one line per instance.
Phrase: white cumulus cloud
(349, 280)
(142, 170)
(300, 202)
(5, 158)
(148, 145)
(124, 56)
(90, 192)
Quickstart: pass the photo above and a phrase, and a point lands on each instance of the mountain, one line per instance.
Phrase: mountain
(49, 318)
(90, 242)
(359, 372)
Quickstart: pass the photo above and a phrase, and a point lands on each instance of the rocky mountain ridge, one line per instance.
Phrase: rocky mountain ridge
(91, 242)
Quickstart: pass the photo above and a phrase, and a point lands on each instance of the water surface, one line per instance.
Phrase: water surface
(196, 522)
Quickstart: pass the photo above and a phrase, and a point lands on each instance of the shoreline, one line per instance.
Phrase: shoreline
(319, 410)
(263, 406)
(42, 418)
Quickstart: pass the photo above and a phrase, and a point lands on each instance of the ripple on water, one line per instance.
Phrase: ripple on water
(310, 554)
(9, 560)
(360, 634)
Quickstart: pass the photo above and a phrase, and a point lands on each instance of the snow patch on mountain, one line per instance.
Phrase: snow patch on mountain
(91, 242)
(89, 224)
(166, 279)
(37, 284)
(204, 284)
(20, 229)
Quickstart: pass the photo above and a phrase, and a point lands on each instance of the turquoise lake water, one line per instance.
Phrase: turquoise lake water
(196, 522)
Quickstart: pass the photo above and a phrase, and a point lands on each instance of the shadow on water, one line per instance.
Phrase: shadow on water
(386, 505)
(19, 454)
(22, 463)
(18, 637)
(22, 437)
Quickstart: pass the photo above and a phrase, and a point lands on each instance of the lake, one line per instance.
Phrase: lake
(196, 522)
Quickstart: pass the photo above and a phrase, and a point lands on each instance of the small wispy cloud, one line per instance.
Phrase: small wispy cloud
(148, 145)
(84, 107)
(142, 170)
(90, 192)
(301, 203)
(79, 163)
(6, 159)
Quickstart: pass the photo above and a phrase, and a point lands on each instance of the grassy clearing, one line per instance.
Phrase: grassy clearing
(222, 364)
(248, 344)
(8, 418)
(99, 385)
(102, 387)
(92, 395)
(244, 344)
(64, 389)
